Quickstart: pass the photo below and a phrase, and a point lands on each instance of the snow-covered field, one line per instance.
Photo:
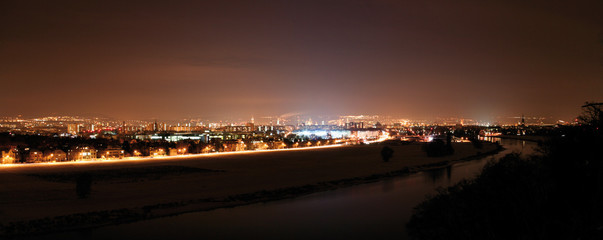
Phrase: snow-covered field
(48, 190)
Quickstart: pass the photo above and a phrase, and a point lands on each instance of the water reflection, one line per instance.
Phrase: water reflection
(490, 139)
(436, 176)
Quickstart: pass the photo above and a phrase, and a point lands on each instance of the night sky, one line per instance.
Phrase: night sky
(235, 59)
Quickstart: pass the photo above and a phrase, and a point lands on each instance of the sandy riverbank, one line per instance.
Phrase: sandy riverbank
(43, 198)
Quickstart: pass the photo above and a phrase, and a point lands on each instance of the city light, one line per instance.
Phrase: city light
(158, 157)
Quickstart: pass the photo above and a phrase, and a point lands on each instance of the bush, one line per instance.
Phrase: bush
(386, 153)
(504, 202)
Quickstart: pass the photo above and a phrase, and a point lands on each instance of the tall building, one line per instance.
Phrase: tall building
(523, 120)
(73, 129)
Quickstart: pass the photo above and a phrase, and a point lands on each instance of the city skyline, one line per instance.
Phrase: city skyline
(268, 58)
(293, 120)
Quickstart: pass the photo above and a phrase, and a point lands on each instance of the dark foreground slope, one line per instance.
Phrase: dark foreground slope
(557, 195)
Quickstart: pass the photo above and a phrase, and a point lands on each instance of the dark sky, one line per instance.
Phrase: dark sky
(172, 59)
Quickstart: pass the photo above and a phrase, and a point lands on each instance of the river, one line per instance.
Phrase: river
(369, 211)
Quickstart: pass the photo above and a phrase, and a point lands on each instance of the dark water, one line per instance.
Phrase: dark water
(377, 210)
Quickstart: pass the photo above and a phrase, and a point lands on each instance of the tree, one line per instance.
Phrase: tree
(386, 153)
(126, 147)
(592, 115)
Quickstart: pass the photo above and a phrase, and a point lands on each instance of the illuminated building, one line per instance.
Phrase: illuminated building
(157, 152)
(137, 153)
(233, 146)
(55, 156)
(247, 128)
(367, 134)
(81, 153)
(34, 155)
(277, 145)
(112, 153)
(10, 156)
(322, 133)
(278, 129)
(180, 128)
(73, 129)
(177, 151)
(175, 137)
(208, 149)
(355, 125)
(309, 122)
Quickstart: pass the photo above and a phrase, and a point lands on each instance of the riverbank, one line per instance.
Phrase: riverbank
(538, 139)
(186, 185)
